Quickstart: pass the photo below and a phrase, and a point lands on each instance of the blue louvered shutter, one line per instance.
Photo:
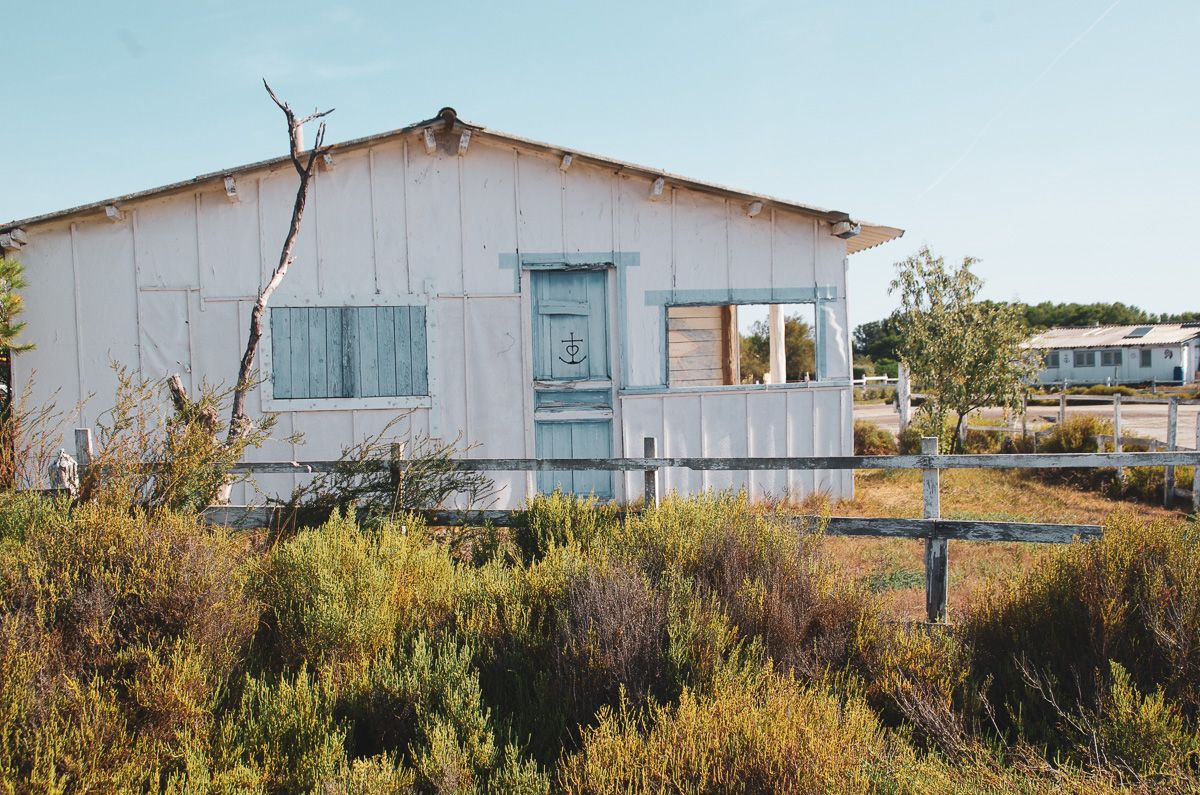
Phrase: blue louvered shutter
(348, 352)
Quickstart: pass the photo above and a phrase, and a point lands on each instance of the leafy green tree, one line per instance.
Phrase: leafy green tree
(799, 346)
(12, 280)
(963, 353)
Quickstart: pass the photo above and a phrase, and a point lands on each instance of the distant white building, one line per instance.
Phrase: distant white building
(1162, 352)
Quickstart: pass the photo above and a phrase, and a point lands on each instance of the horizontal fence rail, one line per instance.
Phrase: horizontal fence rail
(237, 516)
(997, 461)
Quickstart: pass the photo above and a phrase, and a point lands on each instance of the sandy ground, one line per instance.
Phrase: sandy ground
(1148, 421)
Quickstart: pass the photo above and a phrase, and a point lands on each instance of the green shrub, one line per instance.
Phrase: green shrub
(1132, 597)
(760, 733)
(1144, 733)
(1146, 483)
(768, 574)
(340, 594)
(413, 702)
(285, 730)
(21, 510)
(115, 583)
(871, 439)
(558, 519)
(1076, 435)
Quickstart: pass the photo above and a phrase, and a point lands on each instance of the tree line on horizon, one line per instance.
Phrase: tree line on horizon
(879, 340)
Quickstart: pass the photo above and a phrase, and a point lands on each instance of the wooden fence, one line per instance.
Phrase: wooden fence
(932, 528)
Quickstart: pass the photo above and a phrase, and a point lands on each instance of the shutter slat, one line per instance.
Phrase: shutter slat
(300, 384)
(368, 352)
(418, 350)
(385, 331)
(281, 353)
(318, 376)
(404, 358)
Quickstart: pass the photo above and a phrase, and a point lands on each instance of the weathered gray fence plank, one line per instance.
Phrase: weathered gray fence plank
(249, 516)
(982, 461)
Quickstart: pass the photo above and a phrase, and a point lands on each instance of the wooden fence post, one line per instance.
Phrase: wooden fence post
(1024, 416)
(1169, 471)
(936, 561)
(1117, 434)
(1062, 408)
(83, 448)
(651, 489)
(1196, 474)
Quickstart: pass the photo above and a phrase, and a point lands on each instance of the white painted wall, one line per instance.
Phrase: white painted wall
(168, 289)
(1163, 361)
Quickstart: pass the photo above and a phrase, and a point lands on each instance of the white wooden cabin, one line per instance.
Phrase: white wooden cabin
(532, 299)
(1159, 352)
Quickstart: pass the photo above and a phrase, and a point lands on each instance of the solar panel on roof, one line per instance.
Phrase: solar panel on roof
(1140, 331)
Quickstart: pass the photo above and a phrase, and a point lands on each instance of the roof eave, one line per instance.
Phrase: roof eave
(870, 235)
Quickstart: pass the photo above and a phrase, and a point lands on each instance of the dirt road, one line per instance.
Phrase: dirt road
(1147, 420)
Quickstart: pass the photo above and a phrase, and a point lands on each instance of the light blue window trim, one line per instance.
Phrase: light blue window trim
(819, 296)
(565, 260)
(752, 295)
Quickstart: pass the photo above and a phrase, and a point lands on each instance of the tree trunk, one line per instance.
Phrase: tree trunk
(305, 167)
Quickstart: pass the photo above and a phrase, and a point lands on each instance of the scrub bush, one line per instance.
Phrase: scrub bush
(871, 439)
(1044, 644)
(758, 732)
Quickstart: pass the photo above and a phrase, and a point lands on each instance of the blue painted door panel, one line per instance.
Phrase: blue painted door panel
(575, 439)
(570, 325)
(348, 351)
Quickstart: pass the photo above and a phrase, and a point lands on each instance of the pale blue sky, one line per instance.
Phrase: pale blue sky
(1057, 140)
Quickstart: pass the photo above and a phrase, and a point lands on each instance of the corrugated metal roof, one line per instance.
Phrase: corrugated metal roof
(870, 235)
(1115, 336)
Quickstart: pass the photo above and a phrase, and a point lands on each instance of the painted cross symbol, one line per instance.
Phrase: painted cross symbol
(572, 350)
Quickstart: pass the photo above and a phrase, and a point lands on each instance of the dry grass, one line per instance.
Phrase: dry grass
(895, 566)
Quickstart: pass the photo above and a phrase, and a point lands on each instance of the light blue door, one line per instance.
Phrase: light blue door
(575, 439)
(572, 376)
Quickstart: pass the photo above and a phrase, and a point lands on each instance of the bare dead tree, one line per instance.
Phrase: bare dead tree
(305, 167)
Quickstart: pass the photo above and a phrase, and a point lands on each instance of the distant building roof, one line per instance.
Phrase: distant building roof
(1140, 336)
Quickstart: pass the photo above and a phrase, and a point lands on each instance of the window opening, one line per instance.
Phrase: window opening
(728, 344)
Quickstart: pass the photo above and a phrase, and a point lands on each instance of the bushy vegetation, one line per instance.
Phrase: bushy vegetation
(872, 439)
(702, 646)
(705, 645)
(1079, 434)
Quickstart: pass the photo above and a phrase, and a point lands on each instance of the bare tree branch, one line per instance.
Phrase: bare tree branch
(238, 421)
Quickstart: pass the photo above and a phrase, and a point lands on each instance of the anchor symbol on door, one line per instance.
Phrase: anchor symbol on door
(572, 350)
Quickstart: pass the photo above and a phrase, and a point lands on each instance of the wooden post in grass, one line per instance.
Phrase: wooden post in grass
(650, 444)
(1169, 471)
(396, 471)
(83, 448)
(1117, 434)
(936, 561)
(1196, 474)
(1062, 408)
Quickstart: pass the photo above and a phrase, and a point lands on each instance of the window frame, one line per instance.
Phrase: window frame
(270, 403)
(1114, 358)
(1052, 360)
(1088, 358)
(1146, 358)
(818, 377)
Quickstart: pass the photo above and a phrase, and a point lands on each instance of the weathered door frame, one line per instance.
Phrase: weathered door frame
(615, 363)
